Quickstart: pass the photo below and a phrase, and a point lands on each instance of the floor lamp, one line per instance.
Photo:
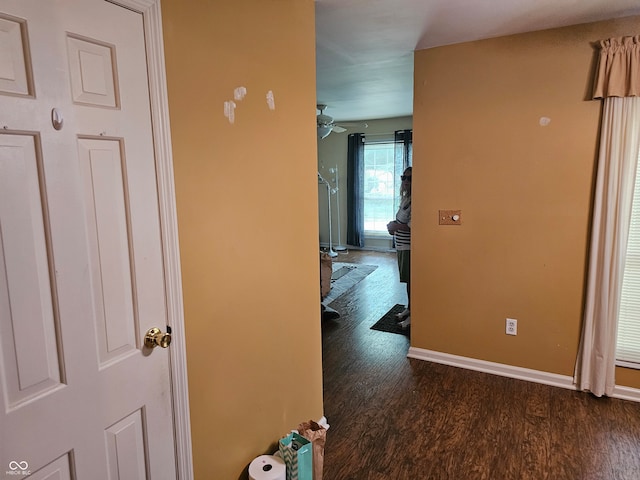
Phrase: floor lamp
(331, 252)
(339, 247)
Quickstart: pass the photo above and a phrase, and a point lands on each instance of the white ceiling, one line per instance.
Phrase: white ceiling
(364, 48)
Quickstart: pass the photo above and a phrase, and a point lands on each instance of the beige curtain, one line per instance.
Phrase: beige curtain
(617, 164)
(618, 82)
(618, 73)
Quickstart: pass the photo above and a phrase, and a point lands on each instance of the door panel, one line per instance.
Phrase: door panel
(109, 238)
(27, 312)
(59, 469)
(81, 264)
(15, 73)
(91, 68)
(125, 448)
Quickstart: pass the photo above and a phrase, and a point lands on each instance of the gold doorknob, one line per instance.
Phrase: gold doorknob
(155, 338)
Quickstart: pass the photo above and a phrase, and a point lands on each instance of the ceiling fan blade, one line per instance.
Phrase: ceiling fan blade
(324, 131)
(338, 129)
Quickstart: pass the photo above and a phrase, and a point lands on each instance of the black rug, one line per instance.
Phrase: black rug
(388, 322)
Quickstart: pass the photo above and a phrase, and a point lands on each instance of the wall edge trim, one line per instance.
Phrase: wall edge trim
(501, 369)
(511, 371)
(626, 393)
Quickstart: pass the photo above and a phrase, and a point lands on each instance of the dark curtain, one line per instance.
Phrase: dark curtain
(355, 190)
(403, 157)
(404, 149)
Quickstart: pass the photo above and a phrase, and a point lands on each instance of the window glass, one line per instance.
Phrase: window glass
(628, 340)
(380, 187)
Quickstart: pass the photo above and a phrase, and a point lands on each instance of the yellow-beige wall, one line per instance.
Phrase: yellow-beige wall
(525, 191)
(248, 222)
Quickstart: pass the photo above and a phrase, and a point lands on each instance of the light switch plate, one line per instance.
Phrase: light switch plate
(446, 217)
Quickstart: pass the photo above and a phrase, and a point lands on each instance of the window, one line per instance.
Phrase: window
(628, 341)
(384, 161)
(374, 166)
(379, 186)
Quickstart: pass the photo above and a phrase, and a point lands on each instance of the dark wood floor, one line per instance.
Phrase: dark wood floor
(396, 418)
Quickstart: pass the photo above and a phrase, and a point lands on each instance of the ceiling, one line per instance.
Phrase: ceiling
(364, 48)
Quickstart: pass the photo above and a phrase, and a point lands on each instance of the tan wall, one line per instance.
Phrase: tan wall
(248, 222)
(332, 153)
(525, 192)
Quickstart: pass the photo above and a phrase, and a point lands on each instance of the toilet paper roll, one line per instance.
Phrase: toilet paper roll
(267, 467)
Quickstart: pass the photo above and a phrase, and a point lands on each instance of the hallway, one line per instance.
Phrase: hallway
(394, 418)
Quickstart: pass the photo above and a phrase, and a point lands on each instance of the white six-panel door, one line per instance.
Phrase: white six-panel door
(81, 259)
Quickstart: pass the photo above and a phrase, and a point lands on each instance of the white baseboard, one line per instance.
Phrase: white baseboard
(537, 376)
(325, 245)
(626, 393)
(501, 369)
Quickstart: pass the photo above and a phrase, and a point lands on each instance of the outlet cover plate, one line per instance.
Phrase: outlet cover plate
(511, 326)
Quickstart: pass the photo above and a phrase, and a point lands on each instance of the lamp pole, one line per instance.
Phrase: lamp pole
(331, 252)
(336, 191)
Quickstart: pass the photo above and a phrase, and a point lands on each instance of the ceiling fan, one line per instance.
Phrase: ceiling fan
(326, 125)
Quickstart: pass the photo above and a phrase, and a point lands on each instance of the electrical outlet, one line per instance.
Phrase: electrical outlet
(512, 326)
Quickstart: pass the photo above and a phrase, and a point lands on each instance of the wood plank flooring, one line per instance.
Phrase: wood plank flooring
(395, 418)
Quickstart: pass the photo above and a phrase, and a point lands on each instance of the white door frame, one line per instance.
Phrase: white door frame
(150, 10)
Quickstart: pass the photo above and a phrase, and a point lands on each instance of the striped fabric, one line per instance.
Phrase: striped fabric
(402, 238)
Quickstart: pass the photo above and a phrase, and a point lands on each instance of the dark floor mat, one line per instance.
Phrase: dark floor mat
(389, 324)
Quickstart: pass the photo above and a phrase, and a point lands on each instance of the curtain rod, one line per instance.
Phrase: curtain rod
(375, 138)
